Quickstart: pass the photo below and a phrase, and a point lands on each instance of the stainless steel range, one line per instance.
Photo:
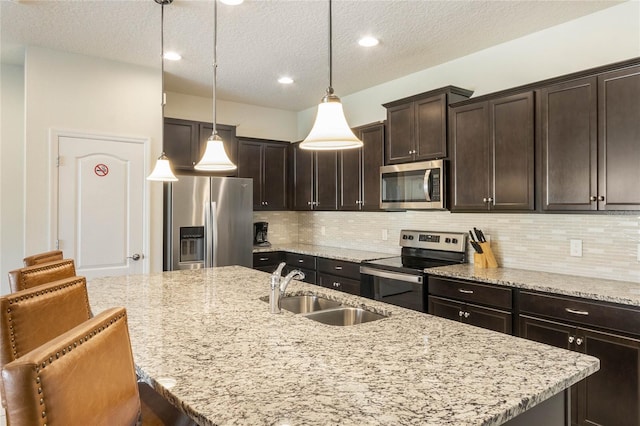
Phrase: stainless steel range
(400, 280)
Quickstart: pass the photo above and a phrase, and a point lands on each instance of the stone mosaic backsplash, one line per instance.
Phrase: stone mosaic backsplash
(541, 242)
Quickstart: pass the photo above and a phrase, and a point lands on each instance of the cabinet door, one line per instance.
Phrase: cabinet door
(611, 396)
(491, 319)
(250, 166)
(302, 178)
(470, 135)
(335, 282)
(445, 308)
(568, 141)
(512, 165)
(180, 139)
(401, 123)
(372, 158)
(326, 184)
(228, 135)
(431, 128)
(350, 166)
(274, 178)
(619, 140)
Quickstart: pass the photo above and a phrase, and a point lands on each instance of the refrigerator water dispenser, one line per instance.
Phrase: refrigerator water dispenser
(192, 244)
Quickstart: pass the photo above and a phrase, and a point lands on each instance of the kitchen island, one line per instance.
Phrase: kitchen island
(206, 340)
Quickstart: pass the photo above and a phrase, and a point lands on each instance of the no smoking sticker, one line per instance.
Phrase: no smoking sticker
(101, 170)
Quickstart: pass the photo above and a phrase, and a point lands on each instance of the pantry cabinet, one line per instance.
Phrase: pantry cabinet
(265, 162)
(492, 151)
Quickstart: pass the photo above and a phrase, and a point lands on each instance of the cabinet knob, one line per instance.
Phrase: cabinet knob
(308, 203)
(467, 314)
(601, 198)
(490, 200)
(336, 285)
(266, 203)
(579, 341)
(485, 200)
(593, 198)
(460, 313)
(571, 339)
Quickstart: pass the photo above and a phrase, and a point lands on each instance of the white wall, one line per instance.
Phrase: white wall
(603, 37)
(85, 94)
(11, 171)
(251, 121)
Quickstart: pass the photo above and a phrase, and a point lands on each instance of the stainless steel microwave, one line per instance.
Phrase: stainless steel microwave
(419, 186)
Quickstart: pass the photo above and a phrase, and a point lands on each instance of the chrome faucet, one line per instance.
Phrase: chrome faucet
(279, 286)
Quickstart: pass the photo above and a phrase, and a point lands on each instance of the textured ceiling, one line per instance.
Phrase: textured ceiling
(258, 41)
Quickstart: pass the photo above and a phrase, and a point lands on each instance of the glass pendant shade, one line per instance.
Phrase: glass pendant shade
(162, 172)
(215, 158)
(330, 131)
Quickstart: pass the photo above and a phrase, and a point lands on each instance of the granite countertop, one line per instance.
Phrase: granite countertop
(623, 292)
(337, 253)
(204, 338)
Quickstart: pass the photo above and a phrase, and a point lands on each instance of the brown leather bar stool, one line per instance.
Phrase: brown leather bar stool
(31, 276)
(85, 376)
(48, 256)
(63, 305)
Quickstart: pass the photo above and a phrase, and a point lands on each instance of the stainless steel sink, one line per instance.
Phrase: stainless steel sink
(344, 316)
(305, 303)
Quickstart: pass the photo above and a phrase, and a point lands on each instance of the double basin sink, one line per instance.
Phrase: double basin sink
(327, 311)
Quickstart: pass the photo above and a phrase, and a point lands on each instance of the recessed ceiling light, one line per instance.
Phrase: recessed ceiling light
(172, 56)
(285, 80)
(232, 2)
(368, 41)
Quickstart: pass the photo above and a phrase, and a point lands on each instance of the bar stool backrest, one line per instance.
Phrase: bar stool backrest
(31, 276)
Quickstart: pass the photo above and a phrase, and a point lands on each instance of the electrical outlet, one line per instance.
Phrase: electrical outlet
(575, 248)
(385, 235)
(323, 230)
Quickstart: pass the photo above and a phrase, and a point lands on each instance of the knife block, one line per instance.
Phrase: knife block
(479, 260)
(489, 258)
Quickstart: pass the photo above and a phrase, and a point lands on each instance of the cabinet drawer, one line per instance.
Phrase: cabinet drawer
(339, 283)
(267, 259)
(580, 311)
(301, 261)
(339, 267)
(494, 296)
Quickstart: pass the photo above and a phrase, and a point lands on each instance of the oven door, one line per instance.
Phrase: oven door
(396, 288)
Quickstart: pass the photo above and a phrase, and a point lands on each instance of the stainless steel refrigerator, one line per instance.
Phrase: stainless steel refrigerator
(208, 221)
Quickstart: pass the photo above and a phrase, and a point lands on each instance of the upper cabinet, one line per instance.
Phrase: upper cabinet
(492, 152)
(315, 179)
(185, 141)
(265, 162)
(417, 125)
(589, 134)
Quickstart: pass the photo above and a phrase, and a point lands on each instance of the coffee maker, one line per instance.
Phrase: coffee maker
(260, 234)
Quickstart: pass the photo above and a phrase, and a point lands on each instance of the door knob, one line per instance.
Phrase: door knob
(135, 256)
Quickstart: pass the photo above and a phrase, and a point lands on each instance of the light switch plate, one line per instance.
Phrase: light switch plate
(575, 248)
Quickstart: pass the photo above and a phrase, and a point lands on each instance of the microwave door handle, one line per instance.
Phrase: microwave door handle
(427, 184)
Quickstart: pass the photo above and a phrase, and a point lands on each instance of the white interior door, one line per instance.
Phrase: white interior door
(101, 193)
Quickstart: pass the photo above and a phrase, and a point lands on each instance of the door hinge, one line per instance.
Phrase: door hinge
(57, 244)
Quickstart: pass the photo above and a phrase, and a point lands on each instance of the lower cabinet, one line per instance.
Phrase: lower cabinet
(267, 261)
(339, 275)
(476, 304)
(304, 262)
(610, 396)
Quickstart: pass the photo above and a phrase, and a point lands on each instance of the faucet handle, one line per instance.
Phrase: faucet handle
(279, 269)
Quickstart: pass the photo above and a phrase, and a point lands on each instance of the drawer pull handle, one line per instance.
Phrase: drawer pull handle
(300, 260)
(338, 268)
(462, 290)
(575, 311)
(264, 259)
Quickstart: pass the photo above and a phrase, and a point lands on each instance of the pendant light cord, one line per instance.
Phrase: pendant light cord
(215, 63)
(330, 88)
(162, 99)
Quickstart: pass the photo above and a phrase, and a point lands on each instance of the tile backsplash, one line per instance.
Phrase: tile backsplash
(610, 243)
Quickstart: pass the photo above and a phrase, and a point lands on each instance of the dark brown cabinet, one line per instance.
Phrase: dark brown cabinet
(492, 144)
(359, 170)
(339, 275)
(315, 179)
(589, 138)
(304, 262)
(482, 305)
(266, 163)
(267, 261)
(185, 141)
(610, 396)
(417, 126)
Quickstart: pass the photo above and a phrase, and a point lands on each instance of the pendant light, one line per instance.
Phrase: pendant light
(330, 130)
(215, 157)
(162, 172)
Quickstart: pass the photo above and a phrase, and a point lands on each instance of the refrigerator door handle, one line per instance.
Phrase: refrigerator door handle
(213, 226)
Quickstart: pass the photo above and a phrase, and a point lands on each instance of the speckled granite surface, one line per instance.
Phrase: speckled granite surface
(328, 252)
(232, 362)
(627, 293)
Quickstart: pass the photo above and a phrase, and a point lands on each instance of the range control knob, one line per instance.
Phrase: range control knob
(404, 237)
(411, 237)
(447, 240)
(454, 240)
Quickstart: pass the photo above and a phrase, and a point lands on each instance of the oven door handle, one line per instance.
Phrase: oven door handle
(391, 275)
